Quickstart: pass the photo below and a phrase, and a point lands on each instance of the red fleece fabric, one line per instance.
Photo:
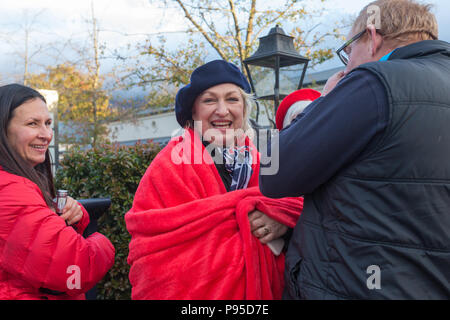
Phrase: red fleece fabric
(191, 239)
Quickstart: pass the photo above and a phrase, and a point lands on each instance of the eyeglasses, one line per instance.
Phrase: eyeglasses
(342, 52)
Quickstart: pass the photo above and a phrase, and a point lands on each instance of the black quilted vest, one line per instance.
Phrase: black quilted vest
(380, 228)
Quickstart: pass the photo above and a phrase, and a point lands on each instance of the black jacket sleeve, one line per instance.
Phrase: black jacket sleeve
(327, 136)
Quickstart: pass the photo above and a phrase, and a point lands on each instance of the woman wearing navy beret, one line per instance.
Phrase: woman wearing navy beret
(200, 227)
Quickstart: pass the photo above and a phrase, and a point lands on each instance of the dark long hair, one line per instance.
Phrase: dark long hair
(11, 97)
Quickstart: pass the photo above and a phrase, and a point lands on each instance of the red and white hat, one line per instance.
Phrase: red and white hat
(297, 101)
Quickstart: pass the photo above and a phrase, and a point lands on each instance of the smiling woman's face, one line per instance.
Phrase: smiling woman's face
(220, 110)
(29, 131)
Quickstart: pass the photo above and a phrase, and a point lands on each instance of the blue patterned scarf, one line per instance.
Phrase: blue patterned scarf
(238, 163)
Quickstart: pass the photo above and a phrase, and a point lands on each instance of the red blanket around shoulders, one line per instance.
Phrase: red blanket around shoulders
(191, 239)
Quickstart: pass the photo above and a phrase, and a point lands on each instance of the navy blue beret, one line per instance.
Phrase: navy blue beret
(204, 77)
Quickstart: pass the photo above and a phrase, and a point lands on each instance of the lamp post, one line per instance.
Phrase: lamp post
(276, 69)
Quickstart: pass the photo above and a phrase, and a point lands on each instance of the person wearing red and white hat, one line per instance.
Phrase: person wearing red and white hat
(293, 105)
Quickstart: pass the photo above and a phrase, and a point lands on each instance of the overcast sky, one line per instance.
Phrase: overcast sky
(121, 22)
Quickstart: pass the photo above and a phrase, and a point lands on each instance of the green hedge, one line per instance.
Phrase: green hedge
(114, 172)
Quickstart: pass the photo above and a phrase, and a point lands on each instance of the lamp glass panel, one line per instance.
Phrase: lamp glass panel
(267, 109)
(263, 80)
(290, 78)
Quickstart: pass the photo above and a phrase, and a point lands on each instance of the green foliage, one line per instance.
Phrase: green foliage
(81, 101)
(114, 172)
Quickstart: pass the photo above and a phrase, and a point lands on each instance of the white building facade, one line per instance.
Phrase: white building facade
(159, 128)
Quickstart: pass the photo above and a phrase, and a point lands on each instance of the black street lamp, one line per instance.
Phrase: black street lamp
(276, 69)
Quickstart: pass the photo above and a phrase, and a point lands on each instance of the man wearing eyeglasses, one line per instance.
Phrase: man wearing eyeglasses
(372, 159)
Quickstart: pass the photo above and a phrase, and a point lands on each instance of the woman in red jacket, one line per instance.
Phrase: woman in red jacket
(199, 225)
(42, 255)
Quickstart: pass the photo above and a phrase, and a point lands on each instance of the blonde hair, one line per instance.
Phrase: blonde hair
(400, 21)
(249, 100)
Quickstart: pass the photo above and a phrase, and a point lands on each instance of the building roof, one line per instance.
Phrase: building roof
(320, 77)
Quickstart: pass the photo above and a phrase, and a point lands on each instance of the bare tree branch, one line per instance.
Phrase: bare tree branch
(237, 31)
(201, 30)
(250, 25)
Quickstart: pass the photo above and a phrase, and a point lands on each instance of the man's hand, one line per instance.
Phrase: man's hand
(264, 228)
(332, 82)
(72, 212)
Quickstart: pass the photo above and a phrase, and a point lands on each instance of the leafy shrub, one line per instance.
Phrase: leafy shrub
(108, 171)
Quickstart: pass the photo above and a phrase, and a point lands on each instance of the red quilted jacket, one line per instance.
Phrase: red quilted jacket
(38, 250)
